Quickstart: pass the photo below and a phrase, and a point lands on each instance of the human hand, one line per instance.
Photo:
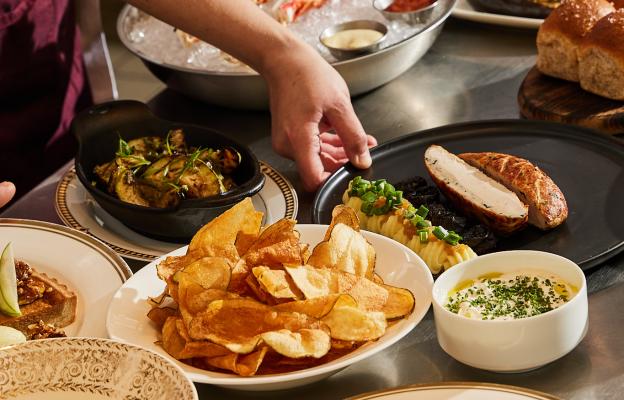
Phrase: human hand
(308, 98)
(7, 191)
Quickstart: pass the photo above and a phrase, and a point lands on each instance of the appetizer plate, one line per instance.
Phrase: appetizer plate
(396, 264)
(84, 264)
(456, 391)
(77, 209)
(464, 10)
(79, 368)
(587, 166)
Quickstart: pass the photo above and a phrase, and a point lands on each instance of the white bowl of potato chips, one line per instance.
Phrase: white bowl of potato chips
(272, 308)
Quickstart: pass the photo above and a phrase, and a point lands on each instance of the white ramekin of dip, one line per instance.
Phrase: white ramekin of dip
(511, 345)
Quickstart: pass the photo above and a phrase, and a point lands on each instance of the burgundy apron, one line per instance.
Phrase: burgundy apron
(42, 85)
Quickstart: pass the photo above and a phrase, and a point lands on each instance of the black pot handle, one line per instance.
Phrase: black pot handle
(100, 117)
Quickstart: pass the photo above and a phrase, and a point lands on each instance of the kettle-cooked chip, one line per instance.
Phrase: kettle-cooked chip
(278, 244)
(346, 250)
(217, 238)
(160, 314)
(400, 302)
(317, 307)
(303, 343)
(342, 214)
(208, 272)
(315, 282)
(175, 341)
(238, 324)
(241, 364)
(275, 282)
(351, 323)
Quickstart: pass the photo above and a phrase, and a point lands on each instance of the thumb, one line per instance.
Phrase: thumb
(7, 191)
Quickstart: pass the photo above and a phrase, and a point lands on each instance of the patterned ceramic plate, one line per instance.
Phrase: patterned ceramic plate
(456, 391)
(77, 209)
(85, 265)
(80, 368)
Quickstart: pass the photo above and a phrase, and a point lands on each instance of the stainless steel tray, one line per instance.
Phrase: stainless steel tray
(248, 90)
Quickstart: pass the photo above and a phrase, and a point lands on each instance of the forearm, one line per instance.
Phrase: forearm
(238, 27)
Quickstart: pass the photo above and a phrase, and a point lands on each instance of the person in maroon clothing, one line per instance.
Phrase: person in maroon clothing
(43, 85)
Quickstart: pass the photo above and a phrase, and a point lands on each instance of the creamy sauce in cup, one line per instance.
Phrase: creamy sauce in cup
(515, 295)
(352, 38)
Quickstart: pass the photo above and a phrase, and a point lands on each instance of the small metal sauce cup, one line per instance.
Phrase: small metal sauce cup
(418, 16)
(342, 53)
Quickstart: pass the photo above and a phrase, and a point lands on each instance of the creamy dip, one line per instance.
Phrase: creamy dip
(352, 38)
(509, 296)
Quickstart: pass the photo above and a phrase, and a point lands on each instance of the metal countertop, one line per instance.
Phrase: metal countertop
(471, 73)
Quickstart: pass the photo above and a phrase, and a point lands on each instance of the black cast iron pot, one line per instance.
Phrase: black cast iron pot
(98, 130)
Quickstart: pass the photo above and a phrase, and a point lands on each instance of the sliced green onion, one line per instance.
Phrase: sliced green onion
(422, 211)
(424, 235)
(452, 238)
(440, 232)
(423, 223)
(368, 197)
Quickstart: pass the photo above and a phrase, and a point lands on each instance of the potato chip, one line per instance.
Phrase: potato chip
(352, 323)
(193, 299)
(208, 272)
(238, 324)
(217, 238)
(244, 241)
(159, 315)
(175, 341)
(276, 282)
(317, 307)
(400, 302)
(303, 343)
(342, 214)
(346, 250)
(241, 364)
(278, 244)
(315, 282)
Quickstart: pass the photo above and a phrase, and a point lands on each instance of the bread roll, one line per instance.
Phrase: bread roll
(560, 35)
(601, 57)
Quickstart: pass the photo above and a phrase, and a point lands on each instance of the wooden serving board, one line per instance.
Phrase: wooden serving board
(542, 97)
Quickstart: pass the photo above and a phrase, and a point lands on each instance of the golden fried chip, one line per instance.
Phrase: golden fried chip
(193, 299)
(159, 315)
(317, 307)
(303, 343)
(242, 364)
(217, 238)
(346, 250)
(342, 214)
(238, 324)
(400, 302)
(208, 272)
(278, 244)
(316, 282)
(276, 283)
(352, 323)
(178, 344)
(244, 242)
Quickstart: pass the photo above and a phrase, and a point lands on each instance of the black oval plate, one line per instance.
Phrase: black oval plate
(587, 166)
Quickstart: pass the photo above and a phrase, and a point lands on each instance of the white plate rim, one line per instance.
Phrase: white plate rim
(495, 387)
(291, 205)
(119, 266)
(463, 10)
(200, 376)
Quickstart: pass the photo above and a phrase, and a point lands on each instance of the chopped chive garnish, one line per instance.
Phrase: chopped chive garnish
(422, 211)
(440, 232)
(424, 235)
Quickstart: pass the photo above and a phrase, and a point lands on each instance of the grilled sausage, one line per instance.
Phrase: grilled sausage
(547, 205)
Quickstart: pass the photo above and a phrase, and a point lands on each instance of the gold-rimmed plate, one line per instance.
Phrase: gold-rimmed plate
(456, 391)
(77, 209)
(85, 265)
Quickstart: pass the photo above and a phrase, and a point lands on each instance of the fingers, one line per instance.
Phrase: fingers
(306, 146)
(7, 191)
(350, 131)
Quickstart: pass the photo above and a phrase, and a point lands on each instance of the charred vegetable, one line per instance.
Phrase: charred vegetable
(158, 172)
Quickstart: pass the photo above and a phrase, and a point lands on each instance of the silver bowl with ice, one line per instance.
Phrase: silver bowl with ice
(203, 72)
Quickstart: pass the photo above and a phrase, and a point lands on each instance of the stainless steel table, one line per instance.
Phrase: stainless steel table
(471, 73)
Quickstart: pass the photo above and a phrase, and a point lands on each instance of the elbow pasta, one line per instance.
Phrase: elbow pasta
(437, 254)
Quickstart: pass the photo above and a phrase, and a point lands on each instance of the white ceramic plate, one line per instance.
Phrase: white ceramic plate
(396, 264)
(465, 10)
(81, 368)
(456, 391)
(85, 265)
(77, 209)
